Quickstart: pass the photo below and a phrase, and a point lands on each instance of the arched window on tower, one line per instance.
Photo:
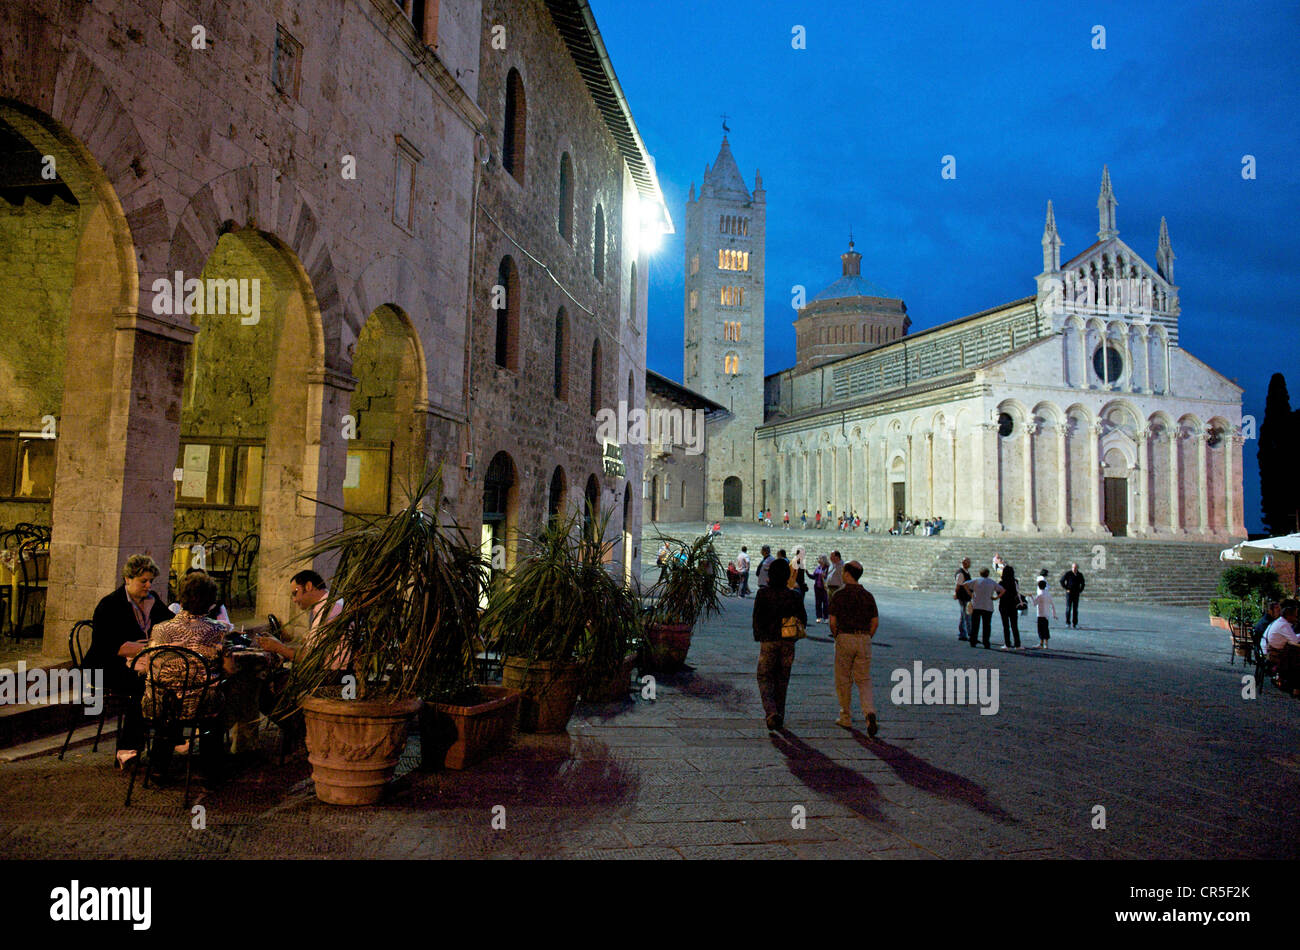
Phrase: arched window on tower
(506, 300)
(561, 382)
(595, 377)
(564, 220)
(515, 127)
(598, 245)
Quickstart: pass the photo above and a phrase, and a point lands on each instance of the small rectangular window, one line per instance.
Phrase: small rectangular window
(365, 482)
(408, 156)
(286, 63)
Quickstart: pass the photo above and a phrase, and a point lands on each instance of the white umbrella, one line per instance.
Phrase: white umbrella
(1256, 551)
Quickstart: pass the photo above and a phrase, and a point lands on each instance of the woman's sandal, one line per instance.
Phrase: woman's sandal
(124, 758)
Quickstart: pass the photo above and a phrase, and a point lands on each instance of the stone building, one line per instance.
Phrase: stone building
(725, 238)
(1070, 412)
(247, 252)
(679, 423)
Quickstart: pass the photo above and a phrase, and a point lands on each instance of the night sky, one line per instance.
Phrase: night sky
(851, 133)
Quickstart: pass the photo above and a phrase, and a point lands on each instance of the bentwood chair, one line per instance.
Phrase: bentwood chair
(79, 640)
(245, 563)
(179, 695)
(222, 556)
(34, 568)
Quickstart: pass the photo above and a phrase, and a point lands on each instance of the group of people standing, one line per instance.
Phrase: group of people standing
(781, 618)
(978, 597)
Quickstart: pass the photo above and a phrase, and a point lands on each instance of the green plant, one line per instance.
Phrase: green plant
(690, 585)
(1224, 606)
(1243, 581)
(410, 586)
(560, 602)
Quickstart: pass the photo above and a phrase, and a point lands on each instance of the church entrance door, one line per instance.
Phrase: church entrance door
(900, 502)
(1117, 506)
(731, 498)
(654, 498)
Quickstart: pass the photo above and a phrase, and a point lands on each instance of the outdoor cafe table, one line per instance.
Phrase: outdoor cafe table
(247, 670)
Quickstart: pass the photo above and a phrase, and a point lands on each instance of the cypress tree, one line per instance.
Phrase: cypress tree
(1279, 458)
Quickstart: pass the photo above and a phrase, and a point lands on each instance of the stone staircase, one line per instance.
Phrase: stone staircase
(1122, 570)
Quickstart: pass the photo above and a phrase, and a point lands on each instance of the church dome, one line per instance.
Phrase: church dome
(852, 283)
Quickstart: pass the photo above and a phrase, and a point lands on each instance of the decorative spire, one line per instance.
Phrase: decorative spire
(1051, 243)
(1106, 204)
(1165, 253)
(692, 197)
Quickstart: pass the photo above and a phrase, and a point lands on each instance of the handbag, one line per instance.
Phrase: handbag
(1022, 605)
(792, 629)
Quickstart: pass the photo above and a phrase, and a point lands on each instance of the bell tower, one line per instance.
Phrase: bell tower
(725, 251)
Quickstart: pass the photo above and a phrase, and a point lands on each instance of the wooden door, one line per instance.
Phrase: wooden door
(1116, 498)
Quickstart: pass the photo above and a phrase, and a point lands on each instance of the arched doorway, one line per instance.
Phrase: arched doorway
(555, 497)
(245, 414)
(654, 498)
(499, 493)
(384, 432)
(732, 498)
(591, 509)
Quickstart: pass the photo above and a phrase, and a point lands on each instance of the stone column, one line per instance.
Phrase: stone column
(1232, 499)
(1094, 435)
(1174, 505)
(929, 464)
(1062, 486)
(1202, 483)
(952, 436)
(118, 438)
(1143, 468)
(908, 499)
(1029, 522)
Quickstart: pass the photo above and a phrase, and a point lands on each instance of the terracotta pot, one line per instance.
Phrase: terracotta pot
(456, 737)
(550, 692)
(613, 686)
(669, 644)
(1220, 622)
(353, 746)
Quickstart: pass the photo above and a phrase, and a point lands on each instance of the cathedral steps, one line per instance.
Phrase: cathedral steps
(1122, 570)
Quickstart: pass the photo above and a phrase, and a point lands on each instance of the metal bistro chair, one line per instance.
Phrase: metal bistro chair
(34, 563)
(178, 695)
(78, 642)
(245, 563)
(222, 556)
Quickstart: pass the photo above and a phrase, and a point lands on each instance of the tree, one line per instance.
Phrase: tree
(1279, 460)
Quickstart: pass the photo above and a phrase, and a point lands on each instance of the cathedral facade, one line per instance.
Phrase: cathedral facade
(1071, 412)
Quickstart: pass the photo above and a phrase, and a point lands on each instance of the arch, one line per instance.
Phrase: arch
(595, 377)
(387, 412)
(555, 494)
(386, 281)
(514, 135)
(500, 511)
(591, 509)
(598, 250)
(733, 497)
(506, 343)
(258, 198)
(564, 215)
(560, 368)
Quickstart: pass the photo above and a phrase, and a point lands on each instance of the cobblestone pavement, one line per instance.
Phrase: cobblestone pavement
(1139, 712)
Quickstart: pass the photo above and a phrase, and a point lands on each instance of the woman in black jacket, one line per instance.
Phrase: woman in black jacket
(1009, 608)
(772, 605)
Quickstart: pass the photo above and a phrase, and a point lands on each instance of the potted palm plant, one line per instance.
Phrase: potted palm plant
(409, 585)
(558, 616)
(688, 587)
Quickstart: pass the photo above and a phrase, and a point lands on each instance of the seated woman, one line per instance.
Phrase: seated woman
(123, 621)
(217, 612)
(193, 630)
(733, 576)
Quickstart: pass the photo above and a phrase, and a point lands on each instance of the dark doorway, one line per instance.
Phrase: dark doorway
(900, 501)
(591, 510)
(732, 499)
(654, 498)
(1117, 506)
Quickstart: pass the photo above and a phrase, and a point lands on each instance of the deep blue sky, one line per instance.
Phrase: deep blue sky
(851, 132)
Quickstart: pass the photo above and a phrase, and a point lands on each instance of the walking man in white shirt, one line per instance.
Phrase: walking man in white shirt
(742, 565)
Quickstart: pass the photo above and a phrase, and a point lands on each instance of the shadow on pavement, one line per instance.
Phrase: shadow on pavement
(711, 689)
(929, 778)
(826, 777)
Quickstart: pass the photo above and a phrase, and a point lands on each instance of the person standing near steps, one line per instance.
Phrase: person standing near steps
(1072, 581)
(854, 619)
(961, 577)
(772, 605)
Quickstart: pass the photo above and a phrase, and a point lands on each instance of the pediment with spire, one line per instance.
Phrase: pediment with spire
(723, 179)
(1108, 278)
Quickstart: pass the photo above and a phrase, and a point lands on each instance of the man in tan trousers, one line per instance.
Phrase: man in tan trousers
(854, 619)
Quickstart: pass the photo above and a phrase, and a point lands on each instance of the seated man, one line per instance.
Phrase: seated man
(308, 592)
(1284, 647)
(123, 621)
(1272, 610)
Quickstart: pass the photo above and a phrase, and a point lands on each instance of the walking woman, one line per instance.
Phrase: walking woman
(798, 575)
(1009, 608)
(821, 602)
(773, 604)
